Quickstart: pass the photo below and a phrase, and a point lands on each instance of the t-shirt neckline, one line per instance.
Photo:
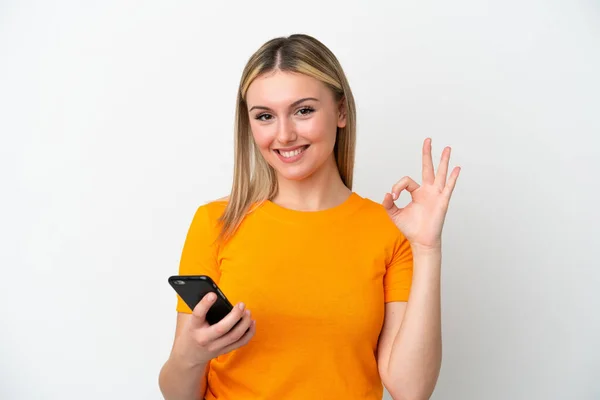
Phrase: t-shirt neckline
(348, 206)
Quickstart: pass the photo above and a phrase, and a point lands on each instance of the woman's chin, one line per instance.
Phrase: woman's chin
(300, 171)
(294, 174)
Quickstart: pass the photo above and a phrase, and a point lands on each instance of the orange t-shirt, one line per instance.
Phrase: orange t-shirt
(316, 283)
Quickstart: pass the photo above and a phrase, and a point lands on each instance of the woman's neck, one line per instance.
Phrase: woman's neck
(322, 190)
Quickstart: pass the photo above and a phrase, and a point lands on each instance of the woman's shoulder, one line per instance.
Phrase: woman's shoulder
(371, 206)
(374, 213)
(212, 210)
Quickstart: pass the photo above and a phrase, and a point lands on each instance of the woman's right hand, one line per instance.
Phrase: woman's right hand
(200, 342)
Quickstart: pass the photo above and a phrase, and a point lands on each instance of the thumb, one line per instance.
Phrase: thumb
(201, 309)
(388, 203)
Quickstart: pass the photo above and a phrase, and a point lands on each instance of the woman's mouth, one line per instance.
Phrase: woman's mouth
(291, 155)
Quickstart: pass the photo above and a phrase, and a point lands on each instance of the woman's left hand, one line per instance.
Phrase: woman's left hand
(422, 220)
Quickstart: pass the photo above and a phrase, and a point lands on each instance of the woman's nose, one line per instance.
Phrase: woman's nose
(286, 132)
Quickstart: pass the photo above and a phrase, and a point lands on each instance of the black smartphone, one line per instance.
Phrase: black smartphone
(192, 288)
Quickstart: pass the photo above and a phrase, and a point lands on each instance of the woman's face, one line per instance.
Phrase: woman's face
(294, 120)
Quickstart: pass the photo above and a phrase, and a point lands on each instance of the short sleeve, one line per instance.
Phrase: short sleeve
(199, 254)
(398, 276)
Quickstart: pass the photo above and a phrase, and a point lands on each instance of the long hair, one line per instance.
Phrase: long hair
(254, 180)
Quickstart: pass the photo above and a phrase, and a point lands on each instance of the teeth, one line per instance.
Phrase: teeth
(288, 154)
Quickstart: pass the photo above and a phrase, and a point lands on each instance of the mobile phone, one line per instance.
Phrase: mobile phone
(192, 288)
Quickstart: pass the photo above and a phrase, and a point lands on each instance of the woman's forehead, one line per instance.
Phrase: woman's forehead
(283, 88)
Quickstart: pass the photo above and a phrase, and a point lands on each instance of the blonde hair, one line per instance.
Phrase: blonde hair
(254, 180)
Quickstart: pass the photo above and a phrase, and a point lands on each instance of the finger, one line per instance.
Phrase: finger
(223, 326)
(243, 340)
(442, 173)
(201, 309)
(449, 188)
(428, 173)
(388, 203)
(234, 334)
(406, 183)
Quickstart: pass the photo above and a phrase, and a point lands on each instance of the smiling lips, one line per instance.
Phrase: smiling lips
(292, 154)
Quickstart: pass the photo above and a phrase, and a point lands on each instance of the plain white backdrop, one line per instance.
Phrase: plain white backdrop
(116, 123)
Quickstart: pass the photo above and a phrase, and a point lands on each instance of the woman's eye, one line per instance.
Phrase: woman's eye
(305, 110)
(264, 117)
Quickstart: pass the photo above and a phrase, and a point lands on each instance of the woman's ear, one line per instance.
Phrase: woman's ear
(342, 113)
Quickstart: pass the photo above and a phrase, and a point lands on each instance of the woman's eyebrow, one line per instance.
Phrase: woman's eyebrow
(291, 105)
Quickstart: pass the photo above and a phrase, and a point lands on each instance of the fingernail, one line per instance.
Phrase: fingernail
(395, 196)
(211, 297)
(241, 306)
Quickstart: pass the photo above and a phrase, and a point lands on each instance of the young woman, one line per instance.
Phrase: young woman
(335, 294)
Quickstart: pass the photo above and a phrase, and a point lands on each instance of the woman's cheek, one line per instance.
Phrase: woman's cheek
(261, 137)
(309, 129)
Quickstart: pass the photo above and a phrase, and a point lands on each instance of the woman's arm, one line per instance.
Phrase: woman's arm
(411, 340)
(180, 379)
(410, 346)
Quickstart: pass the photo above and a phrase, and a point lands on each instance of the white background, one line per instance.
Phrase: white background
(116, 123)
